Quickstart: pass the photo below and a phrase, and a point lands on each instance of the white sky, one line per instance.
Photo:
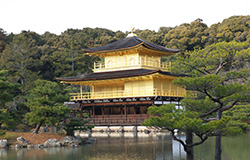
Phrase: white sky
(56, 16)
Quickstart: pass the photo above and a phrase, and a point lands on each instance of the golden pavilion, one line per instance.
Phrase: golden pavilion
(131, 78)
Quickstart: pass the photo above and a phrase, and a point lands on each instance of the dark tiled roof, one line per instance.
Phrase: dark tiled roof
(130, 42)
(115, 74)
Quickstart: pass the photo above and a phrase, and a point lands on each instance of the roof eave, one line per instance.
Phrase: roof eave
(97, 53)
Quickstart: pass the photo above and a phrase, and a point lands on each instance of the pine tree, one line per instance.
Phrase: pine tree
(45, 102)
(219, 74)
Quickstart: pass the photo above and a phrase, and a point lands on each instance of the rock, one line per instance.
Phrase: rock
(44, 130)
(72, 145)
(70, 140)
(108, 130)
(135, 129)
(21, 141)
(41, 146)
(52, 143)
(31, 146)
(53, 130)
(62, 131)
(121, 129)
(147, 131)
(89, 140)
(3, 143)
(18, 146)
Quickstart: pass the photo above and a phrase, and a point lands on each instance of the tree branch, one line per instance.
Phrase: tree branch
(229, 106)
(179, 140)
(206, 73)
(210, 112)
(221, 65)
(210, 119)
(200, 142)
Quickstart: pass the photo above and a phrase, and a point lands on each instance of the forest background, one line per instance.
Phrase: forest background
(29, 56)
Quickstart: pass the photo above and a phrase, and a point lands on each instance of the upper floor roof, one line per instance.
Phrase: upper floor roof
(127, 44)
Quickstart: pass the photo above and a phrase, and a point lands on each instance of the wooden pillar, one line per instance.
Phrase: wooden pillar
(81, 91)
(125, 111)
(93, 111)
(121, 111)
(134, 112)
(102, 112)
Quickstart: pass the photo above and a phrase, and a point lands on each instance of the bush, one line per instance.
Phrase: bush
(2, 132)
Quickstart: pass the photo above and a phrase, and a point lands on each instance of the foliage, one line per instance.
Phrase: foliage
(8, 135)
(168, 117)
(240, 115)
(219, 75)
(234, 28)
(2, 132)
(6, 95)
(187, 36)
(76, 123)
(3, 40)
(6, 89)
(45, 102)
(20, 58)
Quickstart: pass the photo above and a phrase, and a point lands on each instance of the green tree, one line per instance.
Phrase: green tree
(45, 102)
(187, 36)
(20, 58)
(3, 40)
(168, 117)
(234, 28)
(6, 95)
(219, 75)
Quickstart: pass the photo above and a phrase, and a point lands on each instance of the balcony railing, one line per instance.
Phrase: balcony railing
(98, 67)
(144, 92)
(107, 120)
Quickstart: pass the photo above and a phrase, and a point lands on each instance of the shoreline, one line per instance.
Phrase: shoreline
(14, 140)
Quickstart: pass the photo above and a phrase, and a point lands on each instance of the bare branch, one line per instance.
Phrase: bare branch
(221, 65)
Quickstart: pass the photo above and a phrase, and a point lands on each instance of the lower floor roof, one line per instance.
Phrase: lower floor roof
(115, 75)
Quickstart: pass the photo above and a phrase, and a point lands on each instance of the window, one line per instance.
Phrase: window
(110, 63)
(132, 61)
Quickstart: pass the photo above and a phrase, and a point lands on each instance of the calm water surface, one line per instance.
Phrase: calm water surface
(130, 146)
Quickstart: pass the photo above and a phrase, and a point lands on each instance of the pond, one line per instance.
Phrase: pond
(130, 146)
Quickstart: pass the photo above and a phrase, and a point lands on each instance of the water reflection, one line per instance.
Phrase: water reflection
(135, 146)
(130, 146)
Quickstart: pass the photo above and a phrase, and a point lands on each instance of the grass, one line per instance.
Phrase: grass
(31, 138)
(11, 136)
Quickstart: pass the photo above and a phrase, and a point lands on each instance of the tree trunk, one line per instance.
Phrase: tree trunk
(218, 148)
(26, 127)
(189, 150)
(37, 127)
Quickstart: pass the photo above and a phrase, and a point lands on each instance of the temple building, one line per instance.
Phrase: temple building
(131, 78)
